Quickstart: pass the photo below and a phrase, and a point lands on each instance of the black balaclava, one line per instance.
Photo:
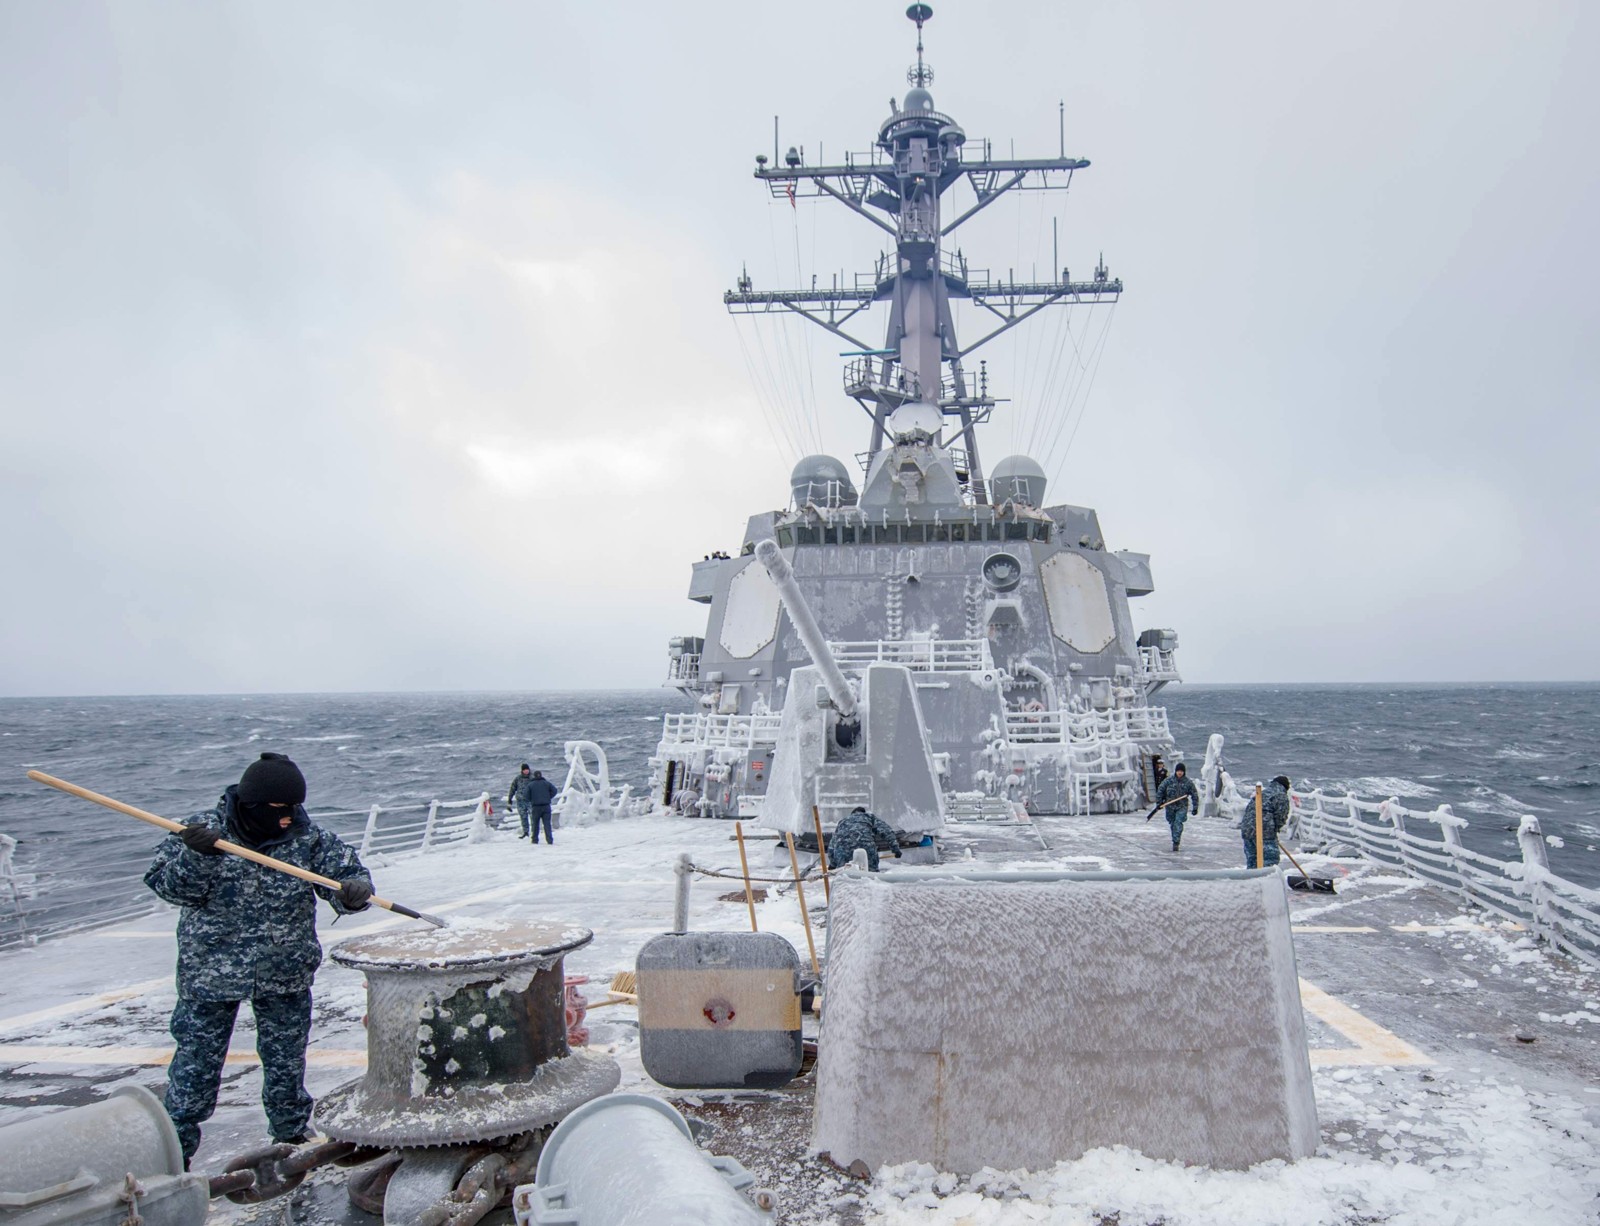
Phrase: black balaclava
(271, 779)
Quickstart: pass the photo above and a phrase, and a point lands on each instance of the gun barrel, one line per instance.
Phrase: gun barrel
(770, 556)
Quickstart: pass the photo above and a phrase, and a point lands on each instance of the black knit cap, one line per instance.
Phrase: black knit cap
(272, 779)
(1283, 780)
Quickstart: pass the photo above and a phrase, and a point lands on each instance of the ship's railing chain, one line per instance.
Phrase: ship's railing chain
(1559, 912)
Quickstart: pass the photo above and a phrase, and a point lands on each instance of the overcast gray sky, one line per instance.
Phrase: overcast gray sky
(380, 346)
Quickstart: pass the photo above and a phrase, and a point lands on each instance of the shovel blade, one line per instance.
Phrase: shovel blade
(1311, 885)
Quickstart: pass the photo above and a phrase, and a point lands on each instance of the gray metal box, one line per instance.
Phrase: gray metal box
(719, 1010)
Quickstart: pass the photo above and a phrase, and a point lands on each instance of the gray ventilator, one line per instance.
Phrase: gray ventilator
(630, 1160)
(104, 1163)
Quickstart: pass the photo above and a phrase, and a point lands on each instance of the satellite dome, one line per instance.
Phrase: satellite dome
(918, 99)
(916, 418)
(821, 480)
(1019, 479)
(953, 135)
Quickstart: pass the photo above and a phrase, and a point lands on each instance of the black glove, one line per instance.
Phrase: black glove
(896, 853)
(202, 839)
(353, 894)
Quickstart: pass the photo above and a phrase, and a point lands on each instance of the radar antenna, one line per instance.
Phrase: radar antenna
(920, 74)
(919, 155)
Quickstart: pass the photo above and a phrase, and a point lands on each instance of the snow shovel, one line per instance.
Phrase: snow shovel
(1312, 885)
(166, 823)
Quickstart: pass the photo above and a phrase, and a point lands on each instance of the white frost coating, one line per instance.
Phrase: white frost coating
(1080, 609)
(1016, 1024)
(750, 616)
(496, 1033)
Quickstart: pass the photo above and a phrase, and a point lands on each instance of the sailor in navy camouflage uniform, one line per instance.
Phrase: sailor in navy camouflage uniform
(860, 829)
(248, 932)
(520, 796)
(1174, 788)
(1274, 816)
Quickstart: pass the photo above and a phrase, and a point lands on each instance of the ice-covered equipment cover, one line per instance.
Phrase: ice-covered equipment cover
(1014, 1020)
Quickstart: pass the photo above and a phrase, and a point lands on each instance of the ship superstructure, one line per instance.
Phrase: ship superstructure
(1032, 679)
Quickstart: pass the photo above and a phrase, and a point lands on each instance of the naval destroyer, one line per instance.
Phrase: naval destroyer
(934, 640)
(1028, 678)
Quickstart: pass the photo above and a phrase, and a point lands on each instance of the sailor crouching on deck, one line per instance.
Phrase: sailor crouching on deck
(249, 932)
(860, 829)
(1274, 816)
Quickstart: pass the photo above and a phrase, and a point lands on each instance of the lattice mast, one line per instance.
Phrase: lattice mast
(899, 186)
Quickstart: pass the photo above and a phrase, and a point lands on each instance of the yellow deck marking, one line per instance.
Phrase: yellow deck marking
(1329, 928)
(83, 1004)
(1373, 1044)
(129, 1057)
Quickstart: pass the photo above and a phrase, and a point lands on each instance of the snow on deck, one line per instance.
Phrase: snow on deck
(1456, 1066)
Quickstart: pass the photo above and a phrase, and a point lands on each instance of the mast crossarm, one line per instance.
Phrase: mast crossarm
(1017, 293)
(783, 297)
(854, 206)
(1012, 320)
(983, 175)
(987, 195)
(1025, 164)
(780, 302)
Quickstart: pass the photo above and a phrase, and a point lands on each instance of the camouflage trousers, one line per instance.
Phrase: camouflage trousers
(524, 812)
(202, 1029)
(1176, 816)
(1269, 851)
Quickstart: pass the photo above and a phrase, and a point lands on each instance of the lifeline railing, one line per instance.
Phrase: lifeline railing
(1558, 911)
(1087, 728)
(919, 655)
(696, 729)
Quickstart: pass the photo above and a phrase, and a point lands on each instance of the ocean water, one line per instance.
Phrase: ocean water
(1492, 752)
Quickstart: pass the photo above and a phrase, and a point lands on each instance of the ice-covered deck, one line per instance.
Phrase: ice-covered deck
(1455, 1065)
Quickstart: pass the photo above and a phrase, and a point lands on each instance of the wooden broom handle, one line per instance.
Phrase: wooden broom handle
(166, 823)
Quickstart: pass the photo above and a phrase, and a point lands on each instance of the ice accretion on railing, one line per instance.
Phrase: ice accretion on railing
(1559, 912)
(588, 796)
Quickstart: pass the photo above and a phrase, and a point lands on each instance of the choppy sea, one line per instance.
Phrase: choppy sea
(1492, 752)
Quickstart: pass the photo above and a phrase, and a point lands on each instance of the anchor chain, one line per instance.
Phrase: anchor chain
(263, 1174)
(488, 1182)
(132, 1190)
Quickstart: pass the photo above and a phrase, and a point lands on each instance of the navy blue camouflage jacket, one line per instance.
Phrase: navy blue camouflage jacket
(1274, 812)
(1172, 787)
(248, 930)
(865, 830)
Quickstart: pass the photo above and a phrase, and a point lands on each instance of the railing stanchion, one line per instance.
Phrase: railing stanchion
(1535, 875)
(371, 829)
(427, 831)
